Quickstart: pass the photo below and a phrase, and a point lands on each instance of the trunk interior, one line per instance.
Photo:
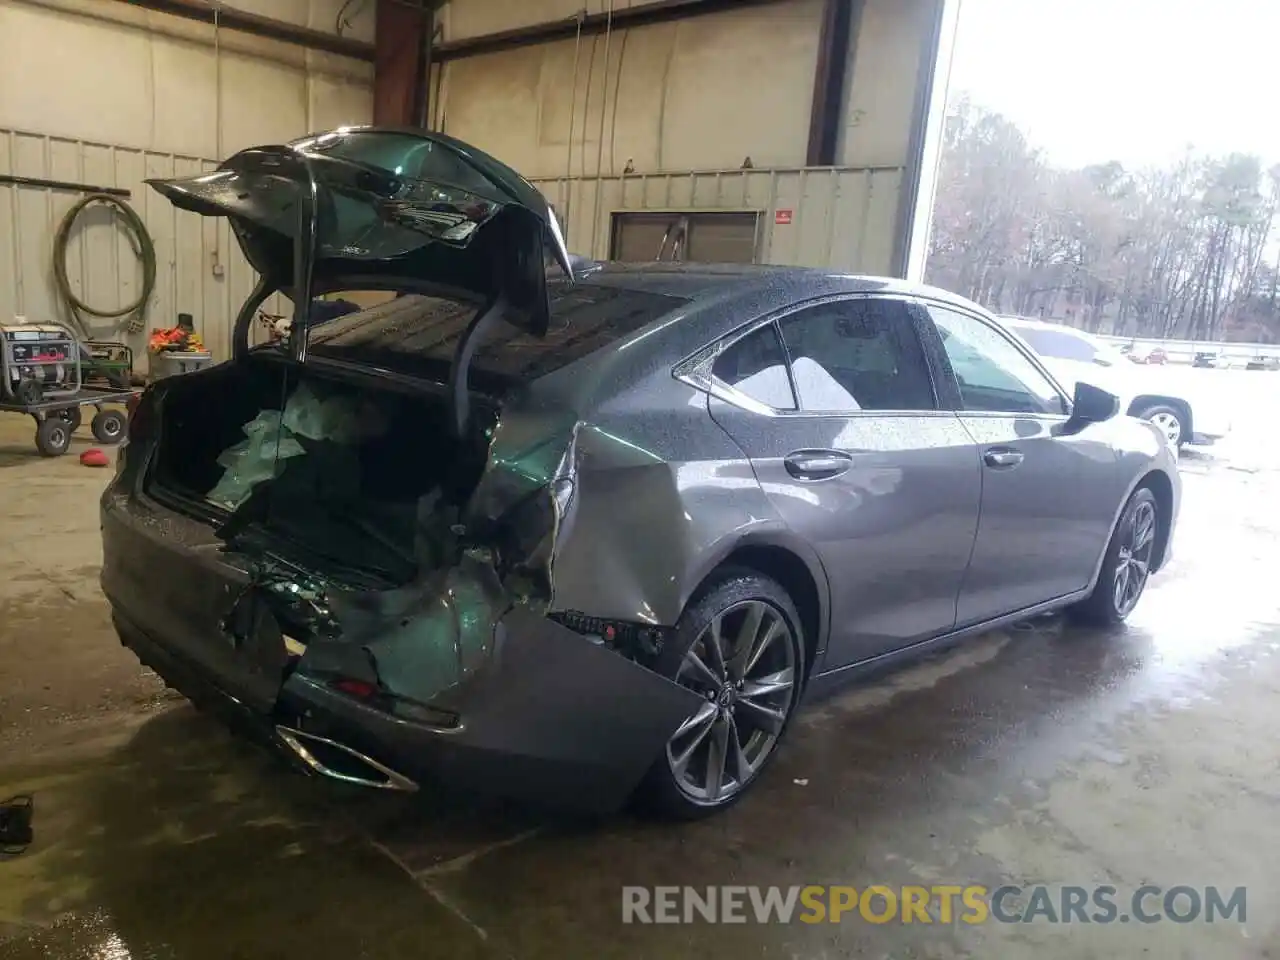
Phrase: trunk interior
(368, 478)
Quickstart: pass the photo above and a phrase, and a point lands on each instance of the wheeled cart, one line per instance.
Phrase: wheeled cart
(57, 419)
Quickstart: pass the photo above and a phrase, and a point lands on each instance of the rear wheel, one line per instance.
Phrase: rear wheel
(740, 648)
(1127, 564)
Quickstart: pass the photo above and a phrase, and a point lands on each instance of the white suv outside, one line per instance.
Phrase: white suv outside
(1176, 399)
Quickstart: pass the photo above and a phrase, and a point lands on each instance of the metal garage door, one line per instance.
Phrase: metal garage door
(701, 237)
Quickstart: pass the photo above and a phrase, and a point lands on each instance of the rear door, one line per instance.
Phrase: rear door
(1047, 495)
(835, 406)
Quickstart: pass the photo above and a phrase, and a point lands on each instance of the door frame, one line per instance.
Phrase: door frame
(696, 369)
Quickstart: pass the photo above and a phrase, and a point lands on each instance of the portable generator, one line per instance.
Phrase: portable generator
(38, 362)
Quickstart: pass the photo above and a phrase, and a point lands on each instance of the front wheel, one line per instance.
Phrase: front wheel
(53, 437)
(1126, 568)
(739, 646)
(1169, 420)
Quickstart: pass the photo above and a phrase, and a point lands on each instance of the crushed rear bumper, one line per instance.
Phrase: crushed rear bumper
(548, 718)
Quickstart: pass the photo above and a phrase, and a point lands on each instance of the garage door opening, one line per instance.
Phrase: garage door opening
(685, 236)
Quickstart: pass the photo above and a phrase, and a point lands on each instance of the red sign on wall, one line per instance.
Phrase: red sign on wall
(782, 217)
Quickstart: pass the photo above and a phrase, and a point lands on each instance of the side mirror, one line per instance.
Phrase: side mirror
(1092, 405)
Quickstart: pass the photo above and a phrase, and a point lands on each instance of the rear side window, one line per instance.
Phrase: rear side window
(756, 367)
(419, 334)
(859, 354)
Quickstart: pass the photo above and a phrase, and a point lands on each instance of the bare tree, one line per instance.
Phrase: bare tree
(1187, 250)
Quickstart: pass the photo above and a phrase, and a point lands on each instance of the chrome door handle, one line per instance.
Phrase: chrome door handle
(1002, 457)
(817, 464)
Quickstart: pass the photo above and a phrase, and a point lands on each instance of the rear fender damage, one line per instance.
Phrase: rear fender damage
(449, 648)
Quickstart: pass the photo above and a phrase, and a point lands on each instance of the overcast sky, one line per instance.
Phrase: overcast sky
(1131, 80)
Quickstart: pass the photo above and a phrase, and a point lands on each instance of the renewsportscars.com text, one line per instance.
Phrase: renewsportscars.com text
(939, 904)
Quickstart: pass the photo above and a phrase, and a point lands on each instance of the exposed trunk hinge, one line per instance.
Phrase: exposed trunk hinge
(304, 260)
(459, 398)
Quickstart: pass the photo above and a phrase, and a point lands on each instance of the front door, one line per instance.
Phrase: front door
(1047, 496)
(856, 457)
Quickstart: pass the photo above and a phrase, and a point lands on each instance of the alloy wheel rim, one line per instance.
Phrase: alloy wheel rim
(1170, 426)
(1133, 565)
(744, 665)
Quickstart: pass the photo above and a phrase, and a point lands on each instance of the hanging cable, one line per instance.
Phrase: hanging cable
(573, 112)
(613, 117)
(142, 243)
(216, 265)
(343, 21)
(604, 103)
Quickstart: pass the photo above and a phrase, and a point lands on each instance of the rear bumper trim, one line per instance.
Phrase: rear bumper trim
(380, 777)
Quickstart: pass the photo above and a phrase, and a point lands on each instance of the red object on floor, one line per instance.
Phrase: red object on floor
(94, 458)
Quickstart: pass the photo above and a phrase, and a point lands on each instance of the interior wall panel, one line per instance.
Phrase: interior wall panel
(136, 95)
(705, 92)
(130, 76)
(199, 267)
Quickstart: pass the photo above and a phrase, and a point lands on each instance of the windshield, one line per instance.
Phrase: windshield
(1065, 344)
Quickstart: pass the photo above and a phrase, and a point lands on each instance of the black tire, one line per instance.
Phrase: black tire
(53, 437)
(108, 426)
(735, 593)
(1102, 608)
(1163, 410)
(72, 416)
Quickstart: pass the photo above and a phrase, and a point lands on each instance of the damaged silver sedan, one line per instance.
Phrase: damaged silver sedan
(577, 533)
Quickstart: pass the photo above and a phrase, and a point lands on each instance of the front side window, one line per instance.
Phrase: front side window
(993, 374)
(756, 367)
(860, 354)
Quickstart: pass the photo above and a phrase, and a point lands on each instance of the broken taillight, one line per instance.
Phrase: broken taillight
(374, 696)
(360, 689)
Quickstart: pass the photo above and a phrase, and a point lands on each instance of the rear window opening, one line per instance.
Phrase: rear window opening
(418, 335)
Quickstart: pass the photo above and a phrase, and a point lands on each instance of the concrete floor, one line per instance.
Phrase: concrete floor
(1033, 755)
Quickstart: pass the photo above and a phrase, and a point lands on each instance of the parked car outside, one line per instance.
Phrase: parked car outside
(589, 534)
(1263, 362)
(1147, 356)
(1183, 405)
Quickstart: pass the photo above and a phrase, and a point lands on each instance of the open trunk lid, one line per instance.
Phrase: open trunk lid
(376, 208)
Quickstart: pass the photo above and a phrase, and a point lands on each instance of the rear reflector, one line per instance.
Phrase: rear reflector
(360, 689)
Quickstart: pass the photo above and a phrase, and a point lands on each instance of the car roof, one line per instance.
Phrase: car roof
(697, 281)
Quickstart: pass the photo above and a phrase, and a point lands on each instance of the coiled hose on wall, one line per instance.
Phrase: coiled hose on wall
(143, 245)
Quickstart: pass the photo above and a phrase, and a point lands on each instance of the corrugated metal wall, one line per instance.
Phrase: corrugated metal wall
(839, 217)
(102, 265)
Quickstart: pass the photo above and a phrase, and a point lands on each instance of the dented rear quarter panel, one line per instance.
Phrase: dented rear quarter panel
(662, 494)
